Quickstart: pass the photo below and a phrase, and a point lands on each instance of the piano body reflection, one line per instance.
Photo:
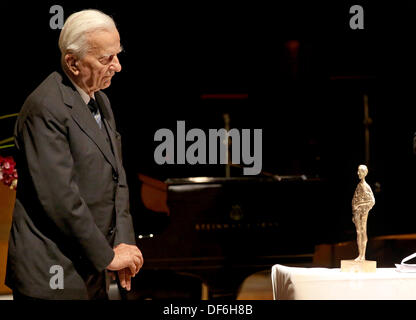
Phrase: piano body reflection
(218, 231)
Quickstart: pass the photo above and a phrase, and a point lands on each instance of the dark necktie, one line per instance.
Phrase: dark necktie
(93, 106)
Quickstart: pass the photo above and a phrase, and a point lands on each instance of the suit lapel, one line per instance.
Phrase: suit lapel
(87, 123)
(108, 121)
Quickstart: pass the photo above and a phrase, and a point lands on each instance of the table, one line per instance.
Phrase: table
(294, 283)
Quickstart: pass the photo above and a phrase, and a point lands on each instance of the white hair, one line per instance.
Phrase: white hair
(73, 37)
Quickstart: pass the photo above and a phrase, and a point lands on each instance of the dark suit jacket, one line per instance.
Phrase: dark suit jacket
(72, 202)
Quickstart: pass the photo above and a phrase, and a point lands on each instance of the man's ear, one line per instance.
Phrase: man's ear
(72, 63)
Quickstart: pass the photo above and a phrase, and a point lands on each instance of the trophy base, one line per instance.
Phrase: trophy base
(358, 266)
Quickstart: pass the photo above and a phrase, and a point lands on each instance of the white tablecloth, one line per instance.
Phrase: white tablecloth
(292, 283)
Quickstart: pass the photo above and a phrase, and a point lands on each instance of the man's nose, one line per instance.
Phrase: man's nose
(115, 65)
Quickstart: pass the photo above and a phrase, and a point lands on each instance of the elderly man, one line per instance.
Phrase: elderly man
(71, 222)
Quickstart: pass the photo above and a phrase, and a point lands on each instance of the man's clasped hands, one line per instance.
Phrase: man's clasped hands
(127, 262)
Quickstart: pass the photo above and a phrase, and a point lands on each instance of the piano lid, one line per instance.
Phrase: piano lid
(222, 180)
(154, 193)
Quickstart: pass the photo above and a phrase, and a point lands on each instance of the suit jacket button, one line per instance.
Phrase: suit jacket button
(111, 231)
(115, 176)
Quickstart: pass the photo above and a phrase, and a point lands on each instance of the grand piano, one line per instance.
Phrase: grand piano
(218, 230)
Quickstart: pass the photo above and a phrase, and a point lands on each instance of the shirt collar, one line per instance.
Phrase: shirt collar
(85, 97)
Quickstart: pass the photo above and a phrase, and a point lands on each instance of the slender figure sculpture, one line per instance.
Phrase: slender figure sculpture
(362, 202)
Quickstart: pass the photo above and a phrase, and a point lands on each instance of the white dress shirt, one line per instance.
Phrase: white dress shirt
(86, 98)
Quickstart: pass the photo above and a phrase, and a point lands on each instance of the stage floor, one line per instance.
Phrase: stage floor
(258, 286)
(255, 287)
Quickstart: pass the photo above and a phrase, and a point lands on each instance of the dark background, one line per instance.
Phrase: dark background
(308, 72)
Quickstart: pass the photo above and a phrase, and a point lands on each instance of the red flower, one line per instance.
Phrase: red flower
(8, 173)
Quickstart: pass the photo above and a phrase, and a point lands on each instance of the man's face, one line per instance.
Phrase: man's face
(100, 63)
